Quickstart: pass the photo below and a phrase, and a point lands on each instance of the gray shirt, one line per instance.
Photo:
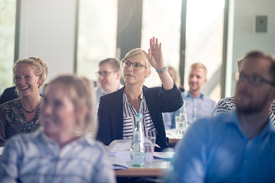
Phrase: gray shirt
(33, 158)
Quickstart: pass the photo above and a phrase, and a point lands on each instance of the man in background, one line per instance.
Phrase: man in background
(197, 104)
(108, 77)
(235, 146)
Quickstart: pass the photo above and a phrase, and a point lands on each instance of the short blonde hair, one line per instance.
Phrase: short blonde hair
(137, 52)
(199, 66)
(39, 67)
(81, 92)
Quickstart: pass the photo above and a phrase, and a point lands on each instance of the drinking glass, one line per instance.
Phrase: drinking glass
(150, 142)
(179, 126)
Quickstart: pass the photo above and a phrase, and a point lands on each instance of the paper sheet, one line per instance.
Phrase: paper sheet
(120, 145)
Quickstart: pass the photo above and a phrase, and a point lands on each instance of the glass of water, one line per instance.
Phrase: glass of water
(180, 126)
(150, 142)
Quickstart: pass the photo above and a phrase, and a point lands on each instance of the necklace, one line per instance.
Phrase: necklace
(32, 111)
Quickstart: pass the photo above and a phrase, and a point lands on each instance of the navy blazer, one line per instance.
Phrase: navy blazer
(110, 112)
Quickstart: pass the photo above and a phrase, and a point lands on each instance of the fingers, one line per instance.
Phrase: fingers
(155, 45)
(151, 43)
(160, 47)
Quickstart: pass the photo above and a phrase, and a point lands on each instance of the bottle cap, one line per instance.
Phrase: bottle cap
(139, 115)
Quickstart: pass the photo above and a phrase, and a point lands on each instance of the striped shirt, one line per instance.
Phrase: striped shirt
(225, 104)
(228, 104)
(129, 117)
(36, 158)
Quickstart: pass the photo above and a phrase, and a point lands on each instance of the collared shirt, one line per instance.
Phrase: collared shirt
(228, 104)
(99, 93)
(217, 150)
(196, 108)
(36, 158)
(129, 117)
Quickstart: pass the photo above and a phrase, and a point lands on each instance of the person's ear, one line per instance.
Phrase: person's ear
(118, 75)
(39, 81)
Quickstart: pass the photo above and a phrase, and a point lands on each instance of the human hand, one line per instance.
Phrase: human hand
(155, 54)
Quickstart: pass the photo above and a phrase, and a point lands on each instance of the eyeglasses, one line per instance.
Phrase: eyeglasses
(255, 80)
(136, 65)
(103, 73)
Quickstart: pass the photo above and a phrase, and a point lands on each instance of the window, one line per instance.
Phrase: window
(96, 35)
(204, 41)
(7, 40)
(162, 19)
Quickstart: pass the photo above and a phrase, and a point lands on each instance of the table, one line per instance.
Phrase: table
(156, 169)
(146, 174)
(172, 137)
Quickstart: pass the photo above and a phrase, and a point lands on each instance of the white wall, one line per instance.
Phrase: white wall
(47, 30)
(244, 37)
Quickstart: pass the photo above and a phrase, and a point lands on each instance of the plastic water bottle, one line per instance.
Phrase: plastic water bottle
(137, 147)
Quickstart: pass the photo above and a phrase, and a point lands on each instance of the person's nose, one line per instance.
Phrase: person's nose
(22, 81)
(101, 77)
(193, 78)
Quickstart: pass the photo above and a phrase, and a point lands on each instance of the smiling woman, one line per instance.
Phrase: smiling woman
(22, 115)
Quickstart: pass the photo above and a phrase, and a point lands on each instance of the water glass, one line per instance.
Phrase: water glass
(180, 126)
(149, 144)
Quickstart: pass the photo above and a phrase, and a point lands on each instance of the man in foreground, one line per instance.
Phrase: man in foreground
(237, 146)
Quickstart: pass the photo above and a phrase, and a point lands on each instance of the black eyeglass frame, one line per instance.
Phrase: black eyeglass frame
(103, 73)
(255, 79)
(136, 65)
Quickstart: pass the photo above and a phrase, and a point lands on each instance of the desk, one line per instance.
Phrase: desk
(156, 169)
(172, 137)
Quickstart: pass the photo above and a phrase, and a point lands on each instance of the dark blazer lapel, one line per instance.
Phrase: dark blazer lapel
(149, 101)
(119, 113)
(156, 115)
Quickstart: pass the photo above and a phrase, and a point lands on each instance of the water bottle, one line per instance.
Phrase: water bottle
(181, 122)
(137, 147)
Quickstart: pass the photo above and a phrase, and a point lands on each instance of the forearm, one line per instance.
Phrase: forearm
(167, 81)
(170, 100)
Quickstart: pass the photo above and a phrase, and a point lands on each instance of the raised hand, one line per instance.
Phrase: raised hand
(155, 54)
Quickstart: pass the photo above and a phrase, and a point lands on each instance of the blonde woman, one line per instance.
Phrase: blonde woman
(116, 113)
(64, 150)
(21, 115)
